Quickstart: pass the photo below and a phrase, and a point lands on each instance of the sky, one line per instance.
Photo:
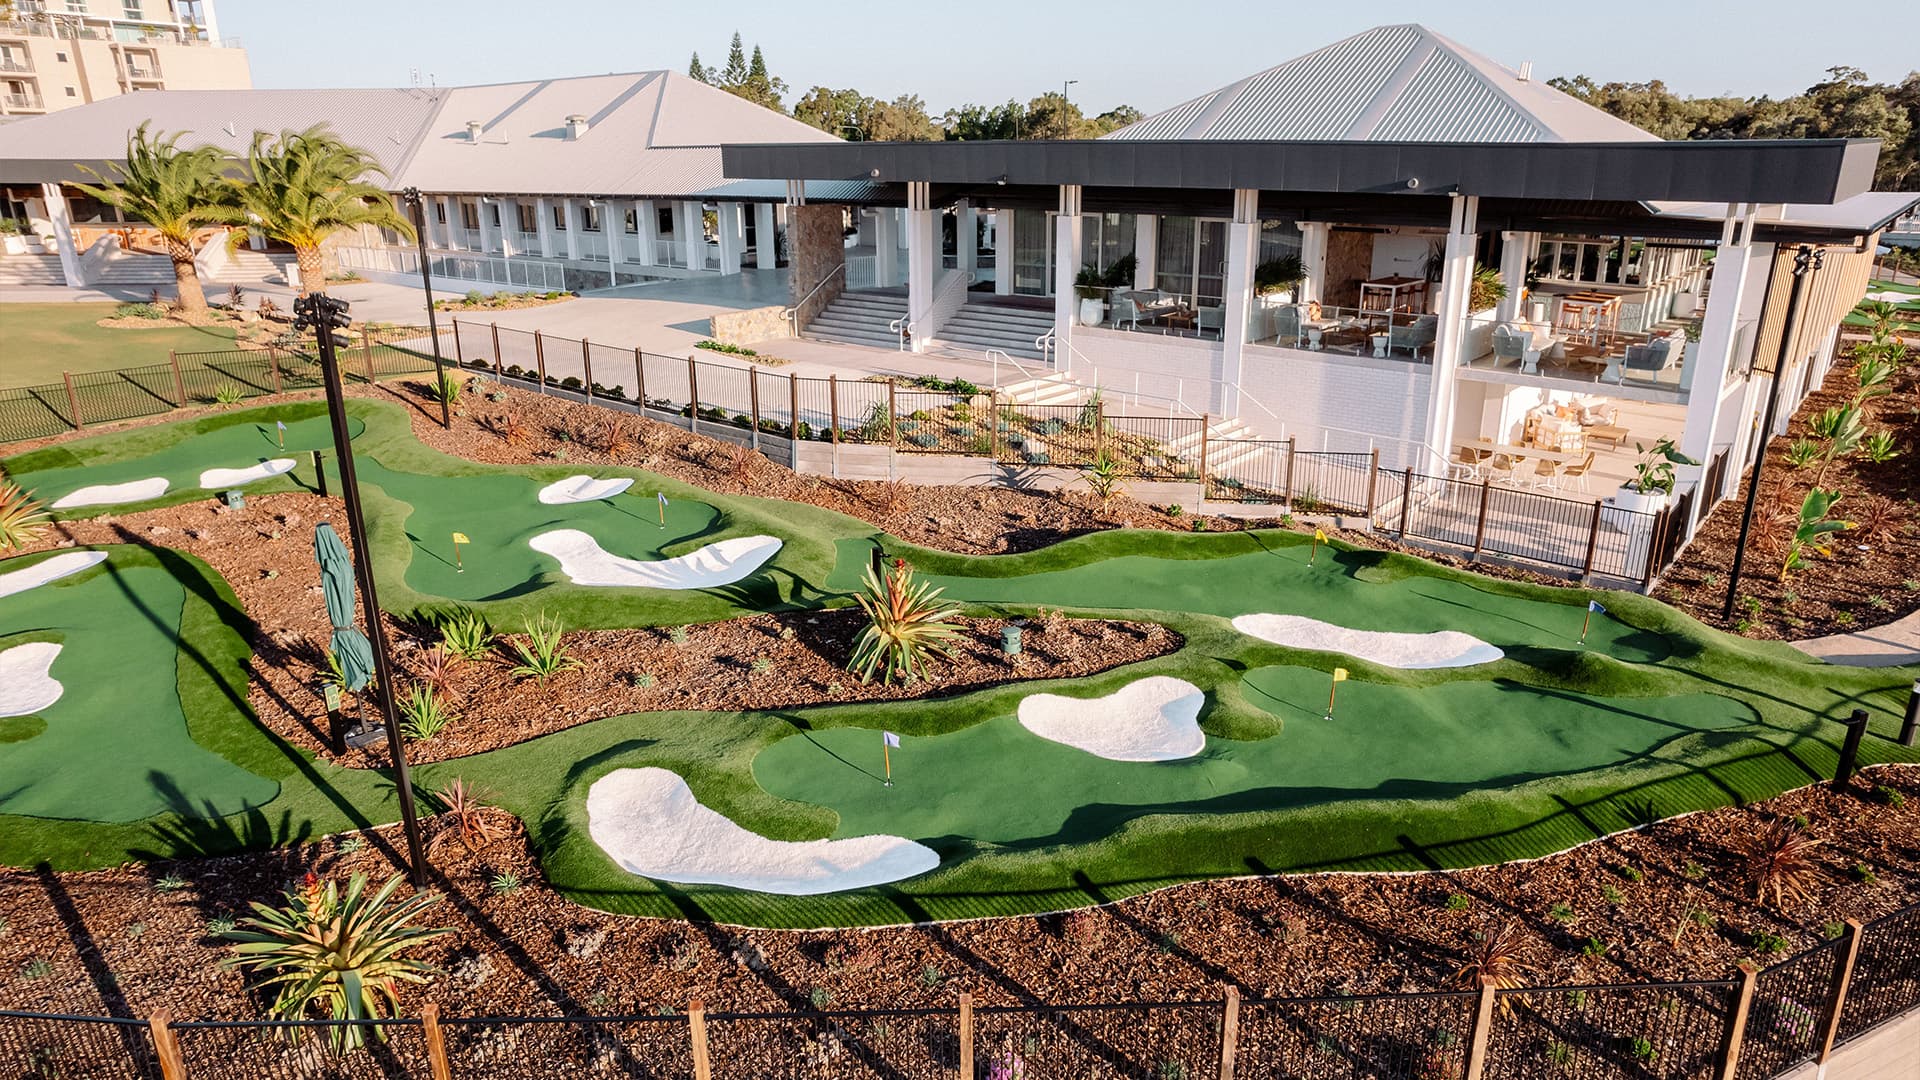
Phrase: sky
(1145, 53)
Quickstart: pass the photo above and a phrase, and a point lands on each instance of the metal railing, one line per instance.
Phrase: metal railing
(792, 314)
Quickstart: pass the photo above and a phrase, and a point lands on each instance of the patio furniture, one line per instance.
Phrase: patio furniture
(1211, 318)
(1393, 294)
(1414, 335)
(1577, 474)
(1612, 434)
(1286, 324)
(1125, 311)
(1470, 458)
(1545, 472)
(1178, 319)
(1511, 344)
(1653, 357)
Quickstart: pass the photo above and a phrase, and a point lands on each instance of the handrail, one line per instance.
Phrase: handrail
(996, 355)
(1244, 396)
(902, 327)
(792, 314)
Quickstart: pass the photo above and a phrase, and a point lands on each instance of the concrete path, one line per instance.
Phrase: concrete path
(1888, 1052)
(1891, 645)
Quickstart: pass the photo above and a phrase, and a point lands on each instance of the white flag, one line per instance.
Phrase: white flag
(890, 739)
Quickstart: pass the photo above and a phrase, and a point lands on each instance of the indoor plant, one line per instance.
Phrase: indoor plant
(1276, 279)
(1090, 285)
(1653, 477)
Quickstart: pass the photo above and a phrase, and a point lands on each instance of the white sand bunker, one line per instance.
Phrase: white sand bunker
(62, 565)
(582, 489)
(585, 562)
(216, 479)
(1441, 649)
(1154, 719)
(26, 685)
(105, 494)
(650, 823)
(1891, 296)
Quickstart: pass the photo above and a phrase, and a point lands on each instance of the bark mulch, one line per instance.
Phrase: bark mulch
(1671, 901)
(1873, 574)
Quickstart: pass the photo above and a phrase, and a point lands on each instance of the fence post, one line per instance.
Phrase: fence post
(966, 1036)
(1910, 724)
(893, 417)
(459, 354)
(179, 383)
(1480, 528)
(793, 411)
(993, 431)
(1593, 544)
(498, 371)
(833, 406)
(693, 396)
(1099, 426)
(320, 473)
(1286, 496)
(540, 360)
(273, 366)
(1737, 1025)
(1482, 1034)
(1206, 428)
(697, 1030)
(1655, 539)
(640, 379)
(1373, 479)
(1406, 499)
(753, 402)
(1850, 750)
(166, 1046)
(436, 1041)
(366, 353)
(586, 366)
(73, 400)
(1842, 979)
(1229, 1033)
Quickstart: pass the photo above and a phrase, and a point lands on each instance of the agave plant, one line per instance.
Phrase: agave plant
(465, 635)
(542, 656)
(906, 625)
(1780, 862)
(422, 714)
(22, 518)
(446, 390)
(1103, 476)
(338, 954)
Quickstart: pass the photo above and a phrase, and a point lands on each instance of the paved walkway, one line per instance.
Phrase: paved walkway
(1891, 645)
(1889, 1052)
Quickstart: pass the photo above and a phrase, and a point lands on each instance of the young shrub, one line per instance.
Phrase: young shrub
(435, 668)
(22, 518)
(473, 827)
(1103, 476)
(337, 954)
(228, 394)
(446, 390)
(1497, 962)
(465, 635)
(906, 625)
(542, 656)
(1780, 863)
(422, 716)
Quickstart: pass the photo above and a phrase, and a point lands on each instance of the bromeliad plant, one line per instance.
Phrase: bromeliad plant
(907, 624)
(22, 518)
(336, 954)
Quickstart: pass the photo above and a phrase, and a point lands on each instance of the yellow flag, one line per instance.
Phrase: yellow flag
(1339, 674)
(1320, 535)
(461, 538)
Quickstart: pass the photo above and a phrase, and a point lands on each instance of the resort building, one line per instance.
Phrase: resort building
(59, 54)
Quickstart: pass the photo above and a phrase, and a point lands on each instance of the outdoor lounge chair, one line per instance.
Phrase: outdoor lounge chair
(1517, 345)
(1414, 335)
(1126, 312)
(1657, 355)
(1211, 318)
(1286, 325)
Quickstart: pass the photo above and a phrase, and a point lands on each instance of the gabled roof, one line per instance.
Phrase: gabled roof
(1400, 83)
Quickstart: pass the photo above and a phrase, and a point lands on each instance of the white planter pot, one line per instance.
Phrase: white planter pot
(14, 245)
(1093, 312)
(1276, 299)
(1651, 502)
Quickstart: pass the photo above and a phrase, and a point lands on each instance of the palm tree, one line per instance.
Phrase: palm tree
(304, 186)
(171, 189)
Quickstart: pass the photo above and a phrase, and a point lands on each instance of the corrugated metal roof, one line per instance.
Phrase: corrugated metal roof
(1391, 83)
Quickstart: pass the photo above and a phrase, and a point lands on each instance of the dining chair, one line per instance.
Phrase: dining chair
(1577, 473)
(1500, 468)
(1546, 473)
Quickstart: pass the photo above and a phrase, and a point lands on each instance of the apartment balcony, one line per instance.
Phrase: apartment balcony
(23, 103)
(20, 66)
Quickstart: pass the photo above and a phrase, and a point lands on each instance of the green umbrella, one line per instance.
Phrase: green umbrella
(350, 646)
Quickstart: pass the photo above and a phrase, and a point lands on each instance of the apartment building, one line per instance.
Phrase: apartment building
(59, 54)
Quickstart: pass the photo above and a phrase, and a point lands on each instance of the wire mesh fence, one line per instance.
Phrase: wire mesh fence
(1784, 1020)
(904, 1044)
(1672, 1031)
(1571, 534)
(1389, 1037)
(510, 1048)
(1886, 975)
(1126, 1042)
(303, 1049)
(104, 1048)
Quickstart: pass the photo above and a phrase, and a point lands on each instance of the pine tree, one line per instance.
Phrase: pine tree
(735, 75)
(696, 70)
(757, 68)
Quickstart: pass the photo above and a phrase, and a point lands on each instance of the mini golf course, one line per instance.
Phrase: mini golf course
(1476, 725)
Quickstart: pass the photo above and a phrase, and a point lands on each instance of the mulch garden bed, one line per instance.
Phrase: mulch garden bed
(1873, 574)
(1671, 901)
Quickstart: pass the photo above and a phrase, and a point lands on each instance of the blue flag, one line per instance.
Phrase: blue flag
(663, 499)
(890, 739)
(1594, 606)
(281, 424)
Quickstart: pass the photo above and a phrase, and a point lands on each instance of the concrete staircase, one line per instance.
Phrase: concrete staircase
(126, 271)
(1229, 443)
(1012, 330)
(249, 267)
(30, 270)
(859, 318)
(1045, 390)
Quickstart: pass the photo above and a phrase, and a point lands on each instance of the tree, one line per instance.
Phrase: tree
(304, 186)
(735, 75)
(760, 88)
(176, 191)
(971, 123)
(1052, 116)
(1114, 119)
(833, 111)
(697, 70)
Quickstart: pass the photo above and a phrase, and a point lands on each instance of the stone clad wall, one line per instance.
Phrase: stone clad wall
(749, 326)
(816, 249)
(1349, 262)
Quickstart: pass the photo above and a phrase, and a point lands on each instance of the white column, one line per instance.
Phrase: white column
(1243, 251)
(454, 236)
(923, 261)
(543, 225)
(766, 237)
(1516, 250)
(732, 227)
(1003, 251)
(489, 237)
(649, 220)
(62, 220)
(509, 227)
(1736, 273)
(570, 211)
(1146, 251)
(885, 262)
(966, 237)
(1456, 278)
(1067, 241)
(1313, 260)
(613, 226)
(693, 234)
(211, 24)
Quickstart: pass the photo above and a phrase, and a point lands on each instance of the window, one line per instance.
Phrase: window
(1587, 260)
(60, 57)
(493, 214)
(71, 92)
(469, 216)
(439, 212)
(632, 223)
(589, 218)
(1105, 239)
(560, 216)
(528, 222)
(1192, 259)
(663, 220)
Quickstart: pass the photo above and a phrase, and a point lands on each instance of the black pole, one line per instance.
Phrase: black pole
(1805, 260)
(320, 473)
(1850, 749)
(418, 205)
(321, 310)
(1910, 727)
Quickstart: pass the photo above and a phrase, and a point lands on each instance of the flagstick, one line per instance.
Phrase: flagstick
(281, 434)
(1315, 553)
(663, 512)
(1584, 623)
(1332, 691)
(886, 754)
(457, 568)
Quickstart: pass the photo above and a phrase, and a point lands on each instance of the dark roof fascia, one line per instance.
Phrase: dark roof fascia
(1728, 170)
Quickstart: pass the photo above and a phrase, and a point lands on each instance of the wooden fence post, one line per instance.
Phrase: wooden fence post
(1206, 426)
(540, 360)
(273, 366)
(697, 1030)
(693, 396)
(1593, 544)
(166, 1046)
(833, 406)
(1654, 541)
(1406, 499)
(1230, 1033)
(1099, 427)
(436, 1041)
(1737, 1026)
(640, 379)
(179, 383)
(1286, 496)
(1482, 1034)
(459, 354)
(366, 353)
(1837, 1001)
(586, 366)
(993, 424)
(753, 403)
(893, 416)
(73, 400)
(1373, 479)
(793, 410)
(1480, 527)
(498, 371)
(966, 1036)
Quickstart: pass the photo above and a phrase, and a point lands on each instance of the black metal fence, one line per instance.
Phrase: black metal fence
(1754, 1027)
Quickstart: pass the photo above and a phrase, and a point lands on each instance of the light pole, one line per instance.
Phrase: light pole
(417, 205)
(1063, 91)
(324, 315)
(1805, 261)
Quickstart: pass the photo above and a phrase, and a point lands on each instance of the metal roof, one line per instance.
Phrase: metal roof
(1399, 83)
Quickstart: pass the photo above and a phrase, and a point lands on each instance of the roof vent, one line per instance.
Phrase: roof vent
(576, 126)
(473, 131)
(1526, 71)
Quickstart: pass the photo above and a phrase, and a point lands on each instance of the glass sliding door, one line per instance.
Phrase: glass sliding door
(1192, 259)
(1032, 253)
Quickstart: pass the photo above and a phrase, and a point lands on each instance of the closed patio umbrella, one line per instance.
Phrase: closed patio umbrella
(349, 645)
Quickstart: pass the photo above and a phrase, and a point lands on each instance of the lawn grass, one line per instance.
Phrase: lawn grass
(44, 340)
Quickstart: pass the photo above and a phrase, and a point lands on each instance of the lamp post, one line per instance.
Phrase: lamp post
(417, 206)
(1805, 261)
(324, 315)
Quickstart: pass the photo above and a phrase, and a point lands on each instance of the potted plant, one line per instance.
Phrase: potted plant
(1090, 285)
(1653, 477)
(1486, 291)
(11, 241)
(1275, 280)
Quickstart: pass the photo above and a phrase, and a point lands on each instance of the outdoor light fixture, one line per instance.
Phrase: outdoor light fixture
(1001, 180)
(417, 204)
(875, 173)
